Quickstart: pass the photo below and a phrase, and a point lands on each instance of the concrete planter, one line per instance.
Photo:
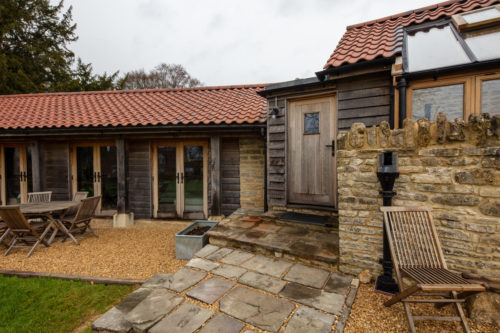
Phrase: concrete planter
(187, 245)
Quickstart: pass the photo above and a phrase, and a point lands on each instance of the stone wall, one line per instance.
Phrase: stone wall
(452, 167)
(252, 165)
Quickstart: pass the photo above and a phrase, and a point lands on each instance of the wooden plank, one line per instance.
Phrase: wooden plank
(121, 176)
(215, 175)
(139, 179)
(35, 166)
(364, 102)
(382, 110)
(362, 93)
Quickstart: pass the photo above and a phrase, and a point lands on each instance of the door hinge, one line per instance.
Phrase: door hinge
(332, 146)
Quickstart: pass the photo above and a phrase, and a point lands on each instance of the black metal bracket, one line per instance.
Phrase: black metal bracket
(332, 146)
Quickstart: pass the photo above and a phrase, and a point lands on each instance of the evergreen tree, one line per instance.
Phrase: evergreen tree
(34, 54)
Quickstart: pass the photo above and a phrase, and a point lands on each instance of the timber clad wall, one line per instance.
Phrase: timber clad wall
(230, 175)
(364, 99)
(55, 168)
(451, 167)
(139, 179)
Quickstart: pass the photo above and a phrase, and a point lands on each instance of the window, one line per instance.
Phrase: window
(457, 97)
(477, 18)
(428, 102)
(311, 123)
(434, 48)
(484, 44)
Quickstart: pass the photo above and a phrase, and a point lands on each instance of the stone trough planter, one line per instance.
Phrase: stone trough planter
(187, 242)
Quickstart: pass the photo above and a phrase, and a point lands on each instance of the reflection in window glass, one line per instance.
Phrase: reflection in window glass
(435, 48)
(311, 123)
(483, 15)
(428, 102)
(485, 45)
(490, 96)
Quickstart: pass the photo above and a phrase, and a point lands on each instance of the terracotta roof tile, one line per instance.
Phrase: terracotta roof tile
(384, 37)
(203, 105)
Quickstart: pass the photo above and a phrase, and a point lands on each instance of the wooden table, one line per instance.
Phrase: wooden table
(46, 209)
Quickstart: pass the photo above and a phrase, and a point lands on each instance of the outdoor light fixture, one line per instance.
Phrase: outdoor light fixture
(387, 174)
(274, 112)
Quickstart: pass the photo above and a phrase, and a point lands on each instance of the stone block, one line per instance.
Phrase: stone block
(222, 324)
(484, 308)
(490, 207)
(203, 264)
(186, 319)
(210, 290)
(309, 320)
(474, 177)
(267, 265)
(307, 275)
(316, 298)
(263, 282)
(112, 321)
(455, 200)
(440, 152)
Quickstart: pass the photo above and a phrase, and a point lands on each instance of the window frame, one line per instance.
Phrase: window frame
(461, 24)
(479, 79)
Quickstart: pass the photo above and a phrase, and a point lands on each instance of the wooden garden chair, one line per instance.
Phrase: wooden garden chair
(30, 235)
(416, 253)
(80, 222)
(79, 196)
(39, 196)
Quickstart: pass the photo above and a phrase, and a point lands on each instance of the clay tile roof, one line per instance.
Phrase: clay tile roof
(384, 37)
(202, 105)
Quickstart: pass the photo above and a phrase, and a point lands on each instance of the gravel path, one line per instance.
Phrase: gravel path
(368, 314)
(131, 253)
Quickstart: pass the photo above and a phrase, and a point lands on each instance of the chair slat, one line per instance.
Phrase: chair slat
(39, 196)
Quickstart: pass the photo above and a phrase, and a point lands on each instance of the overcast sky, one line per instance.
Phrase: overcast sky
(221, 42)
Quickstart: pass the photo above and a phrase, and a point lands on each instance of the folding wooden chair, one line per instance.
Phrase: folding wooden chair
(3, 230)
(79, 196)
(20, 230)
(81, 221)
(39, 196)
(416, 253)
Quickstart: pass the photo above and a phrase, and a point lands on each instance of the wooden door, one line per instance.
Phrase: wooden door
(180, 180)
(15, 173)
(311, 160)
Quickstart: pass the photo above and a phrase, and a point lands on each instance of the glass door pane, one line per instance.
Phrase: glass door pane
(167, 194)
(12, 175)
(29, 169)
(85, 169)
(193, 178)
(108, 178)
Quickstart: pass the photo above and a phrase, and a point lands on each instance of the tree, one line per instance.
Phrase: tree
(34, 54)
(162, 76)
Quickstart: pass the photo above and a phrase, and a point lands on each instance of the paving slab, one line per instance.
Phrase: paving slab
(316, 298)
(206, 250)
(265, 265)
(225, 231)
(338, 283)
(307, 275)
(256, 308)
(263, 282)
(183, 279)
(267, 227)
(210, 290)
(219, 254)
(152, 309)
(186, 319)
(237, 257)
(133, 299)
(156, 280)
(222, 324)
(251, 236)
(275, 241)
(203, 264)
(112, 321)
(310, 321)
(229, 271)
(294, 231)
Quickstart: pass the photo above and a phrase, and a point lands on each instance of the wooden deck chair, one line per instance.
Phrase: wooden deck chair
(20, 230)
(39, 196)
(81, 221)
(79, 196)
(416, 253)
(3, 229)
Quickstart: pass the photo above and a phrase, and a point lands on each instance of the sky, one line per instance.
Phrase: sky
(221, 42)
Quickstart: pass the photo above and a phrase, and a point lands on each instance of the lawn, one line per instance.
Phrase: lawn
(53, 305)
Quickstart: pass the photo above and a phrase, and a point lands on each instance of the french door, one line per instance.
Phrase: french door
(15, 172)
(180, 180)
(94, 171)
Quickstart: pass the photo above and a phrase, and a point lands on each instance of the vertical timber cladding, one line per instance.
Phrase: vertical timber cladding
(56, 170)
(139, 179)
(364, 99)
(230, 175)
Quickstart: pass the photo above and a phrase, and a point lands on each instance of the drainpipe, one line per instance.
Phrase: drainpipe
(263, 134)
(402, 84)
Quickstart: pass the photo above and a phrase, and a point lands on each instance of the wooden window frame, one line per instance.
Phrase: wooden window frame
(23, 164)
(462, 25)
(478, 87)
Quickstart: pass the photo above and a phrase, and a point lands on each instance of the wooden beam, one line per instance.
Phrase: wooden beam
(215, 188)
(35, 166)
(121, 176)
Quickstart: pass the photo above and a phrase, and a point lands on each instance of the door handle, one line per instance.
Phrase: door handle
(95, 177)
(99, 177)
(332, 146)
(177, 177)
(182, 178)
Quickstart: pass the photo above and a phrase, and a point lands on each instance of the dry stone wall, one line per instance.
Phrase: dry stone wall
(453, 167)
(252, 166)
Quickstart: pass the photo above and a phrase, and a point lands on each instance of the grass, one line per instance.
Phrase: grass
(53, 305)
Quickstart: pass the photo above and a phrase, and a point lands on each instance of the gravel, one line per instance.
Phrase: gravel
(368, 314)
(135, 252)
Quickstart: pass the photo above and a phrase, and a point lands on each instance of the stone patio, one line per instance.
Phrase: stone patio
(265, 233)
(232, 290)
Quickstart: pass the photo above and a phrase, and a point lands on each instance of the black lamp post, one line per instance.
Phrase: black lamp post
(387, 174)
